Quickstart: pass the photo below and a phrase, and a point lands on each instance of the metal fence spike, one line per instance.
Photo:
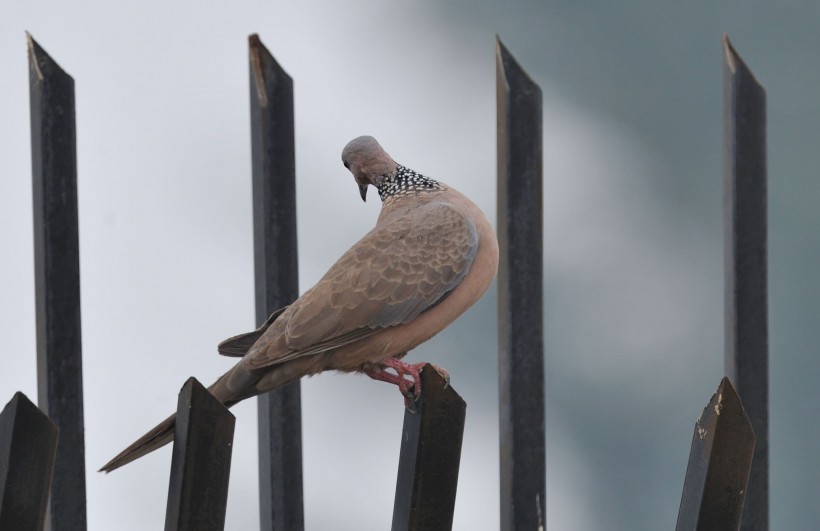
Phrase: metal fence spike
(277, 281)
(745, 301)
(200, 463)
(520, 297)
(28, 446)
(722, 446)
(430, 457)
(57, 281)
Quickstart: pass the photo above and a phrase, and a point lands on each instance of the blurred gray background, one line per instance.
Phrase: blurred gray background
(633, 248)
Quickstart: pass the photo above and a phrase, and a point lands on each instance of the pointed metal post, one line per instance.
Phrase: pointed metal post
(746, 355)
(430, 457)
(28, 445)
(200, 463)
(57, 281)
(520, 297)
(277, 282)
(719, 463)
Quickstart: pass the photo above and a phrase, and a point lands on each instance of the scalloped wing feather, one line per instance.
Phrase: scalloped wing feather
(405, 265)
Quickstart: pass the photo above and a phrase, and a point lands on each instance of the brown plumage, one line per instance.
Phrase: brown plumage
(431, 255)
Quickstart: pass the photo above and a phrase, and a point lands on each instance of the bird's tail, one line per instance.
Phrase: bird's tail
(161, 435)
(235, 385)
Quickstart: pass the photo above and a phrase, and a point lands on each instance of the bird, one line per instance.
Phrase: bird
(431, 255)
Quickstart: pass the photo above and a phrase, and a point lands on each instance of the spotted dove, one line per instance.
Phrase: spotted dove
(431, 255)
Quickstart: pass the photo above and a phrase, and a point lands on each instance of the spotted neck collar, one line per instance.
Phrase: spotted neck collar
(405, 181)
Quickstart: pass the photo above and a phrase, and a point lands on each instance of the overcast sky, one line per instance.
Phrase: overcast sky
(633, 248)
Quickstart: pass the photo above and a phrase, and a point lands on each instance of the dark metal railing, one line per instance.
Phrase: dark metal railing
(728, 448)
(746, 330)
(57, 281)
(200, 463)
(727, 480)
(430, 457)
(520, 297)
(277, 282)
(719, 463)
(28, 446)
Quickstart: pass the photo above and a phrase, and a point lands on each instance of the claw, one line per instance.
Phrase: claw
(407, 377)
(443, 373)
(408, 405)
(407, 389)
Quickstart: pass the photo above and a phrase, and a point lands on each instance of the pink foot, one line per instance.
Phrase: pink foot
(407, 377)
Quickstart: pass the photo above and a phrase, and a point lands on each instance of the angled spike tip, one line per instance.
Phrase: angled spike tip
(719, 463)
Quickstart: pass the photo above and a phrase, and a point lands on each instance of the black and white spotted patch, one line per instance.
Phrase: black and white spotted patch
(406, 182)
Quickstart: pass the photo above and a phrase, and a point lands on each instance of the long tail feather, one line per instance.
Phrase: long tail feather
(161, 435)
(232, 387)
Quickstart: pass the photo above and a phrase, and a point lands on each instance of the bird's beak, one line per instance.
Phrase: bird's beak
(363, 192)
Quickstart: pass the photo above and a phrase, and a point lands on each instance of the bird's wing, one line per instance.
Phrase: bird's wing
(238, 346)
(405, 265)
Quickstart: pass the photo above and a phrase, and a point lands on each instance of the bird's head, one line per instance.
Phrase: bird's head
(368, 162)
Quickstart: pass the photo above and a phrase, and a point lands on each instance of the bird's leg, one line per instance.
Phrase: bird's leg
(379, 372)
(409, 388)
(413, 370)
(406, 369)
(407, 376)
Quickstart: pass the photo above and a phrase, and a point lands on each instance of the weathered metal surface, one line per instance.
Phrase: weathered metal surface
(746, 307)
(520, 296)
(28, 446)
(57, 281)
(277, 281)
(430, 457)
(719, 463)
(200, 463)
